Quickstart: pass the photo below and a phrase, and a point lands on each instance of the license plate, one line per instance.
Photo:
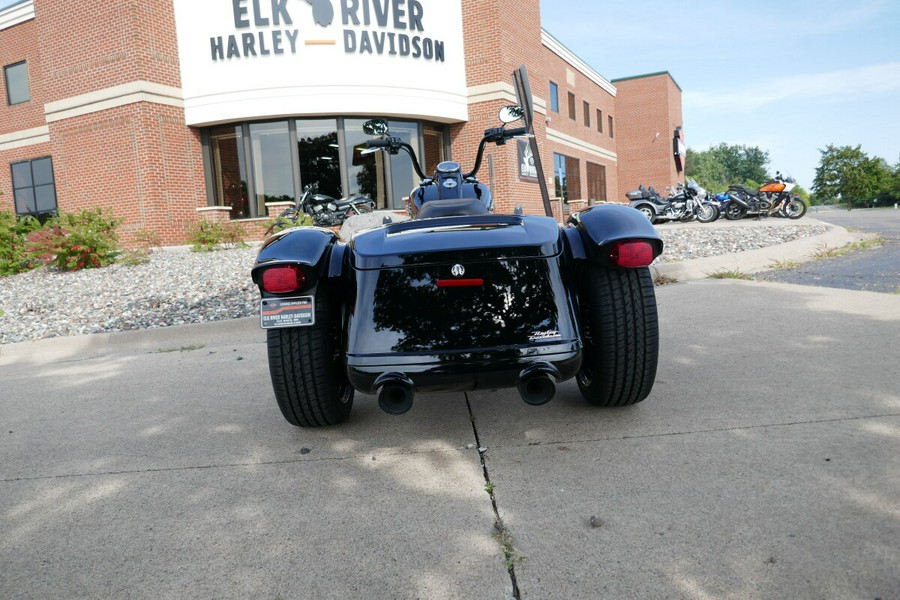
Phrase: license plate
(276, 313)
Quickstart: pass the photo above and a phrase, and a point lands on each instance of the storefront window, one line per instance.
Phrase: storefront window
(230, 169)
(370, 173)
(403, 175)
(366, 172)
(251, 164)
(434, 147)
(559, 175)
(272, 166)
(567, 176)
(319, 154)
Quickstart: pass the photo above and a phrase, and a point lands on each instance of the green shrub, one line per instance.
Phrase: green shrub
(139, 254)
(207, 236)
(83, 240)
(282, 222)
(14, 256)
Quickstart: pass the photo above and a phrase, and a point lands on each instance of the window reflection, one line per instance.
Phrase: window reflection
(273, 173)
(366, 172)
(255, 163)
(403, 176)
(230, 169)
(317, 142)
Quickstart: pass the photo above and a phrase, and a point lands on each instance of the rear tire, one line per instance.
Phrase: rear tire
(308, 375)
(735, 212)
(621, 336)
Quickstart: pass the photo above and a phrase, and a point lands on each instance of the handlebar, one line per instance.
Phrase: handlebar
(394, 145)
(498, 135)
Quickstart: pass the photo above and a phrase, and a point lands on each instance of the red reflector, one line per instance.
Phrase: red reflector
(283, 279)
(632, 254)
(451, 283)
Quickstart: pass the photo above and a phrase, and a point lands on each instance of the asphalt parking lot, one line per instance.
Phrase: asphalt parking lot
(765, 464)
(875, 269)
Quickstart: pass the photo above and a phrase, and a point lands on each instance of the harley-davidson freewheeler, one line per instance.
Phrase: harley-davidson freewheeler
(459, 298)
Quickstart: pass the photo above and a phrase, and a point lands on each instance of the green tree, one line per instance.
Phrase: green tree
(725, 164)
(804, 195)
(847, 174)
(892, 194)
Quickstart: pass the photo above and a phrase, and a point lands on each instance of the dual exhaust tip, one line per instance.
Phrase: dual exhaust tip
(536, 385)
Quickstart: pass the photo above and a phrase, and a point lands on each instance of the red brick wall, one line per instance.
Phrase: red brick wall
(647, 106)
(89, 46)
(18, 43)
(489, 61)
(140, 160)
(493, 54)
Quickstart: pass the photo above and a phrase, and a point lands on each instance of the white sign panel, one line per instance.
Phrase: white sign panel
(248, 59)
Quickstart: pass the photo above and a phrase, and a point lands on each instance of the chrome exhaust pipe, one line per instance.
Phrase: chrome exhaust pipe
(396, 394)
(537, 383)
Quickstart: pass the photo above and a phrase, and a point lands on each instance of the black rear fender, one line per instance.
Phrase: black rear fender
(314, 249)
(602, 227)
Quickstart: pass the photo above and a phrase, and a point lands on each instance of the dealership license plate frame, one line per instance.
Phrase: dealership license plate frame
(279, 313)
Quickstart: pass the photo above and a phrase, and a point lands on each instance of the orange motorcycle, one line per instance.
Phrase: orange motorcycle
(773, 198)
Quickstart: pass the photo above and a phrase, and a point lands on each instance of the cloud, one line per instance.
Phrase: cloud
(843, 84)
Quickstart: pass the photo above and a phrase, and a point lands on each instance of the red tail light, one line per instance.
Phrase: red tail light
(632, 254)
(283, 279)
(452, 283)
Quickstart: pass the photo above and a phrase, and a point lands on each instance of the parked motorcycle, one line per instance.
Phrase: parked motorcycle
(689, 202)
(324, 210)
(774, 198)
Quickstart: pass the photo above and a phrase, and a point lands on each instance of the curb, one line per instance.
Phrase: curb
(139, 341)
(761, 259)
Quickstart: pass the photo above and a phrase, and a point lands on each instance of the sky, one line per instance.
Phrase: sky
(789, 77)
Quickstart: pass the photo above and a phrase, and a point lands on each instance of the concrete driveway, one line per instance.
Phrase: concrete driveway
(765, 464)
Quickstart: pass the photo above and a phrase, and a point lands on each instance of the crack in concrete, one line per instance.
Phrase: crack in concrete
(501, 533)
(700, 431)
(267, 463)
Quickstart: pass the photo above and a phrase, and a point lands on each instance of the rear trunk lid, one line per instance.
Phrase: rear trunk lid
(458, 285)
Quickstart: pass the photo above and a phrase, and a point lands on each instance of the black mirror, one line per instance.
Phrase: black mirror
(375, 127)
(510, 114)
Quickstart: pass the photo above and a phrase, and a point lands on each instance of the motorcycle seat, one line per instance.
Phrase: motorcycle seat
(741, 188)
(452, 208)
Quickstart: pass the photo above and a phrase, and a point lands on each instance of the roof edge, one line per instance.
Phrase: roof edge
(648, 75)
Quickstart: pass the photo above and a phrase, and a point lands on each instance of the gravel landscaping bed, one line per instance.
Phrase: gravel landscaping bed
(178, 286)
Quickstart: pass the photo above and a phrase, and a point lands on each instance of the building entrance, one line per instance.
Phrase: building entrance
(252, 164)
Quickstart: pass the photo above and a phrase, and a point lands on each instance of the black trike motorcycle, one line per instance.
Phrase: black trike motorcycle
(458, 299)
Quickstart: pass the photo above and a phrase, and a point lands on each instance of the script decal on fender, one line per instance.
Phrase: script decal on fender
(540, 336)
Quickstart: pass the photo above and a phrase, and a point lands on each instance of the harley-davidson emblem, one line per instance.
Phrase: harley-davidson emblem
(458, 270)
